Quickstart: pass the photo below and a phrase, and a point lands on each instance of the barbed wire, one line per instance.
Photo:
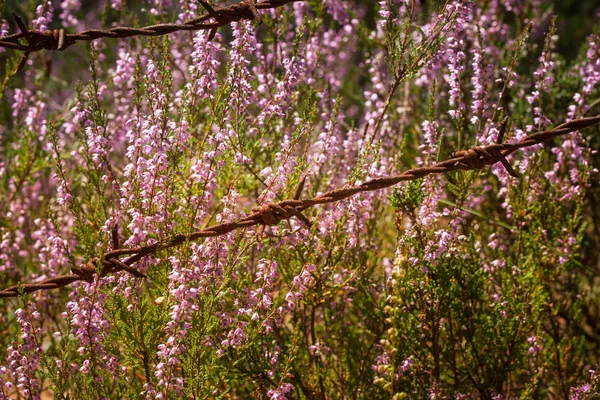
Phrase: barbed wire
(272, 213)
(35, 40)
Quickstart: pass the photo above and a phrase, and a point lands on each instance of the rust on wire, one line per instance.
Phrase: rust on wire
(35, 40)
(273, 213)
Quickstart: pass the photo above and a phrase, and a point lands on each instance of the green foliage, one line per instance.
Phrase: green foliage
(465, 284)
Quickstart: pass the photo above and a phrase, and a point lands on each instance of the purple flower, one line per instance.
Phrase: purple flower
(280, 393)
(24, 358)
(43, 14)
(68, 10)
(4, 31)
(536, 345)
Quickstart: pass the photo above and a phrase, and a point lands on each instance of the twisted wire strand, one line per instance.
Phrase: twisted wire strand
(272, 213)
(57, 39)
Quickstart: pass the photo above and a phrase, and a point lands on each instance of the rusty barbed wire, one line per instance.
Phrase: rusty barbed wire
(272, 213)
(57, 39)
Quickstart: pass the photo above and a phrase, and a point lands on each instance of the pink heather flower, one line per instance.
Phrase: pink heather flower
(150, 139)
(391, 11)
(535, 345)
(31, 110)
(158, 7)
(116, 4)
(97, 143)
(456, 58)
(189, 11)
(374, 96)
(203, 68)
(327, 57)
(428, 210)
(404, 367)
(43, 15)
(50, 247)
(122, 77)
(429, 148)
(276, 180)
(236, 337)
(68, 10)
(90, 325)
(493, 241)
(85, 367)
(543, 79)
(384, 361)
(590, 76)
(284, 92)
(338, 10)
(569, 155)
(566, 246)
(433, 392)
(267, 273)
(358, 210)
(591, 69)
(443, 238)
(580, 392)
(299, 285)
(63, 192)
(4, 31)
(239, 78)
(326, 146)
(318, 349)
(481, 75)
(24, 358)
(188, 281)
(576, 391)
(498, 264)
(280, 393)
(381, 361)
(20, 101)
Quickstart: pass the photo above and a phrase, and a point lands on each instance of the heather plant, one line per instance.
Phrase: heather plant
(156, 240)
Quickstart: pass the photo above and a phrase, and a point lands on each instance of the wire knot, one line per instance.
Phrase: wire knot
(89, 270)
(272, 213)
(244, 10)
(478, 157)
(37, 40)
(49, 40)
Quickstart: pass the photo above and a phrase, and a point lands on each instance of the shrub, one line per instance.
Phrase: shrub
(120, 180)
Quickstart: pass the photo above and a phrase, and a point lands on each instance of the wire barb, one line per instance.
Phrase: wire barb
(59, 40)
(273, 213)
